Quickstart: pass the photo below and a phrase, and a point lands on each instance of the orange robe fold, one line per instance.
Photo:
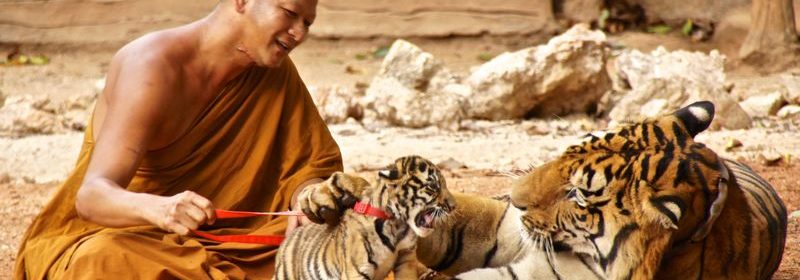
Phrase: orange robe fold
(249, 150)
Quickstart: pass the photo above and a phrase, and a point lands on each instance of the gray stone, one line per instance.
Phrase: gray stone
(678, 77)
(413, 89)
(337, 103)
(19, 117)
(567, 75)
(763, 105)
(789, 111)
(792, 84)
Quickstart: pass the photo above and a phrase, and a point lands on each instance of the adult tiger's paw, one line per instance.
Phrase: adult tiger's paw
(325, 202)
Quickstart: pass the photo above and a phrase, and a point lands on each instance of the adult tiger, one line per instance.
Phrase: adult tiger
(643, 202)
(647, 201)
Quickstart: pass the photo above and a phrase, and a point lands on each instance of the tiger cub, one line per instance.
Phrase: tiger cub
(412, 192)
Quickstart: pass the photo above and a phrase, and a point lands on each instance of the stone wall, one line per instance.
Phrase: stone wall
(89, 21)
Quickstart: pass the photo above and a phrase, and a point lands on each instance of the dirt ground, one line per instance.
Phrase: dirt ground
(22, 202)
(503, 146)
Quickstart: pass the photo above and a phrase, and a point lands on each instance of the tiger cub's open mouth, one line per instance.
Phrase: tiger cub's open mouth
(426, 218)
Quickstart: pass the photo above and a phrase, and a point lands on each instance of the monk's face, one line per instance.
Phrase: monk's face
(273, 28)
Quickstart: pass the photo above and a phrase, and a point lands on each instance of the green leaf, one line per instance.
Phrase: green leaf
(39, 60)
(380, 52)
(602, 20)
(485, 57)
(659, 29)
(687, 27)
(22, 59)
(361, 56)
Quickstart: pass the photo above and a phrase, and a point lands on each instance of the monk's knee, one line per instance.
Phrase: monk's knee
(99, 254)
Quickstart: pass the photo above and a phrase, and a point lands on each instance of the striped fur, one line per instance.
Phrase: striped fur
(481, 240)
(648, 202)
(365, 247)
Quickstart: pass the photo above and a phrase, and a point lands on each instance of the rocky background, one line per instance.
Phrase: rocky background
(481, 106)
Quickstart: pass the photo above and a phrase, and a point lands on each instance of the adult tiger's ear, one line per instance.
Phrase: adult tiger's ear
(697, 116)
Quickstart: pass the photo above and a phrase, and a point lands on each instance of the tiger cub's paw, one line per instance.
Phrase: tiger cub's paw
(325, 202)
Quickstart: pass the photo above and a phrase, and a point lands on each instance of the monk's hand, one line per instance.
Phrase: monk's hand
(325, 202)
(296, 221)
(184, 212)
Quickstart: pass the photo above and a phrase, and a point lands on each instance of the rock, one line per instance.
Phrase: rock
(100, 85)
(80, 102)
(792, 84)
(744, 88)
(583, 11)
(28, 180)
(76, 120)
(789, 111)
(676, 12)
(337, 103)
(653, 107)
(787, 84)
(451, 164)
(770, 158)
(20, 117)
(413, 89)
(763, 105)
(5, 178)
(567, 75)
(44, 104)
(794, 215)
(732, 143)
(666, 81)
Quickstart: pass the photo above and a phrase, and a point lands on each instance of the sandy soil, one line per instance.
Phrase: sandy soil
(485, 149)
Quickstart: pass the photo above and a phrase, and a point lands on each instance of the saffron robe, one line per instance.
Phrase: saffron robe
(248, 150)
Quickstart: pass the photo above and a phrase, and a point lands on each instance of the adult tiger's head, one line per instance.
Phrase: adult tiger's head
(414, 190)
(624, 196)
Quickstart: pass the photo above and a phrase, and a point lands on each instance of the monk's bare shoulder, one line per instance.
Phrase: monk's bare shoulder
(140, 84)
(151, 56)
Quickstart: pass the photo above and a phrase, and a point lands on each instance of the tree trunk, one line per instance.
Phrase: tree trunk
(772, 33)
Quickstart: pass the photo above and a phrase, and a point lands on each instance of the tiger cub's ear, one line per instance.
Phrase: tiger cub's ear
(390, 174)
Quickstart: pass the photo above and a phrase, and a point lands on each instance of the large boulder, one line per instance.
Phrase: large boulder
(337, 103)
(662, 81)
(567, 75)
(413, 89)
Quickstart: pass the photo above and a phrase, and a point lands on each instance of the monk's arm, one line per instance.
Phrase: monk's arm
(136, 102)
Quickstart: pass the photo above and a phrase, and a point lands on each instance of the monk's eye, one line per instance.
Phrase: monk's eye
(289, 13)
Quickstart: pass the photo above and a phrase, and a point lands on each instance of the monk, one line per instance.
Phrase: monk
(208, 115)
